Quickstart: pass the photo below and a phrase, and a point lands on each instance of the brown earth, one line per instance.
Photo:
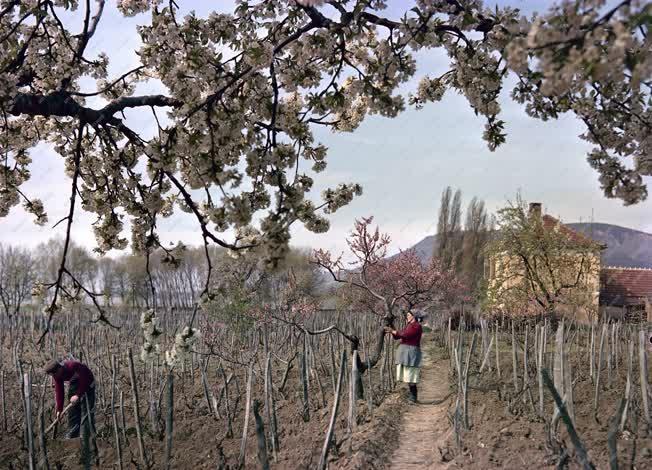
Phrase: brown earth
(516, 438)
(199, 441)
(393, 435)
(498, 440)
(199, 438)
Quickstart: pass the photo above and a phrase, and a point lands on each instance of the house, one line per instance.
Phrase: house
(626, 293)
(537, 265)
(611, 292)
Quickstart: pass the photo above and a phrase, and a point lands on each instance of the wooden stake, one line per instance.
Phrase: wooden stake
(114, 416)
(353, 393)
(169, 420)
(514, 361)
(43, 440)
(27, 390)
(270, 408)
(134, 392)
(304, 383)
(260, 434)
(628, 384)
(243, 442)
(331, 425)
(4, 400)
(597, 374)
(645, 393)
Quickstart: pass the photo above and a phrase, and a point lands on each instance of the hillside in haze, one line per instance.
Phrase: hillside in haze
(626, 247)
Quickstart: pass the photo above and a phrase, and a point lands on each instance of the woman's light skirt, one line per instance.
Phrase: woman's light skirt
(407, 374)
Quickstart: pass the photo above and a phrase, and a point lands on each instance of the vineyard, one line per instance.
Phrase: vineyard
(261, 398)
(198, 296)
(568, 396)
(288, 395)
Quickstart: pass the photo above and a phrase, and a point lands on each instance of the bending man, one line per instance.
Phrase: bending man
(81, 392)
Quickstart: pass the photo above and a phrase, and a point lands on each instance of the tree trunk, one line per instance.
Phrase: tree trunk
(260, 435)
(365, 364)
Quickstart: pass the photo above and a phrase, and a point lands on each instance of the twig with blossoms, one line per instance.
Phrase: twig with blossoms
(63, 271)
(181, 348)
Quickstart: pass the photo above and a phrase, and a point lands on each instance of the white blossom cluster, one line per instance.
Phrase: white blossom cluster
(593, 58)
(242, 94)
(133, 7)
(151, 334)
(429, 90)
(182, 347)
(38, 290)
(150, 350)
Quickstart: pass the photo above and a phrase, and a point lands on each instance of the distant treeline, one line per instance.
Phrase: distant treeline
(169, 279)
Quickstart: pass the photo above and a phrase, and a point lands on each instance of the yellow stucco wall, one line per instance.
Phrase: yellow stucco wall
(505, 273)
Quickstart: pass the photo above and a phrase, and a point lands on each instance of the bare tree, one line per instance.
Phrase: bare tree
(16, 277)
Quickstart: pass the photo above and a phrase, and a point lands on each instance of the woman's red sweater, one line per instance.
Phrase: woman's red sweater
(410, 335)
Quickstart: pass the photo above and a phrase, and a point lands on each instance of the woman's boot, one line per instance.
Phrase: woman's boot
(413, 393)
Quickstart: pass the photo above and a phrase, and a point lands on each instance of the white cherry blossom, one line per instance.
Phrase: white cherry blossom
(243, 92)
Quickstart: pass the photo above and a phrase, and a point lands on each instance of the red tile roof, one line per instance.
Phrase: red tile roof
(618, 285)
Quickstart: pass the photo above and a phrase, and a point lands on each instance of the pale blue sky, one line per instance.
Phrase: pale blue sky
(403, 163)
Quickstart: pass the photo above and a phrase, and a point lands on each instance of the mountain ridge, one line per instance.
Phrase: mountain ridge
(626, 247)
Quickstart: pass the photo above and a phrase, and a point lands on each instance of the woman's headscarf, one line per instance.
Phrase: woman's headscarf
(418, 316)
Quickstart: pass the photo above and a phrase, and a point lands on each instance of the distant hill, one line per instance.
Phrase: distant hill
(425, 248)
(626, 247)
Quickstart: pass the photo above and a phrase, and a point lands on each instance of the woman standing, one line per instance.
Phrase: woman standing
(408, 359)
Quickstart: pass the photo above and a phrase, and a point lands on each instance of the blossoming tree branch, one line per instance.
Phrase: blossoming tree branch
(241, 94)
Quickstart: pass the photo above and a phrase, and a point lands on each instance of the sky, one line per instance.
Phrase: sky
(403, 163)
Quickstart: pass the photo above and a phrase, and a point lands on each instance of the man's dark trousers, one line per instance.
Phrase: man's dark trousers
(79, 412)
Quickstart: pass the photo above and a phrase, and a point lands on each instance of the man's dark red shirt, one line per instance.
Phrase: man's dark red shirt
(71, 370)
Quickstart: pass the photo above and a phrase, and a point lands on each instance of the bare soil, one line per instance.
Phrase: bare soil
(199, 438)
(501, 437)
(394, 435)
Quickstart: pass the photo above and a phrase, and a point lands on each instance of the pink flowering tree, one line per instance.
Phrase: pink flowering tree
(228, 136)
(384, 286)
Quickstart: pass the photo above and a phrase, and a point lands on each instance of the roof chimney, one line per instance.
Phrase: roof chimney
(535, 210)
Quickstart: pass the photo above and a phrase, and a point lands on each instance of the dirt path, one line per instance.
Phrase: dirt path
(425, 427)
